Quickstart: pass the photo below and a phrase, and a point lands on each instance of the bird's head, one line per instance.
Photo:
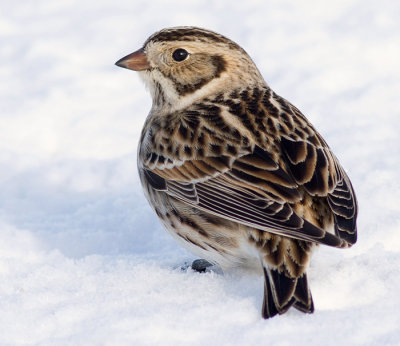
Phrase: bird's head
(183, 64)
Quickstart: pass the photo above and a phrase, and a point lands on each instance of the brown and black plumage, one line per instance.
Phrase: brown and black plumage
(235, 172)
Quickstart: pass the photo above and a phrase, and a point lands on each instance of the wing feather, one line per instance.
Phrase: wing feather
(252, 182)
(261, 207)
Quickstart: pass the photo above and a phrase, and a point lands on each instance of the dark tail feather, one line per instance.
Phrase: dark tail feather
(302, 294)
(281, 292)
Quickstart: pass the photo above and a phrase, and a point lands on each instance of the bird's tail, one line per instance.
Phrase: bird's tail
(281, 292)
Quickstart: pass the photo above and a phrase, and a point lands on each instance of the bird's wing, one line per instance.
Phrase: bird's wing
(313, 166)
(248, 191)
(254, 188)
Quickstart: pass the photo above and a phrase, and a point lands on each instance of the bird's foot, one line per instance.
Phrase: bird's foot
(201, 265)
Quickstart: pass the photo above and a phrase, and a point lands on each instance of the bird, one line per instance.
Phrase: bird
(235, 172)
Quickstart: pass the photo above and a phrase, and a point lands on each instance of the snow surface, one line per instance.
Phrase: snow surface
(84, 261)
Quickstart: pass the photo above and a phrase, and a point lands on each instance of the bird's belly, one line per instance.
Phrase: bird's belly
(210, 237)
(225, 250)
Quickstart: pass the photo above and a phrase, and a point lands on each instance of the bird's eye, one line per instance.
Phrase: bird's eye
(180, 54)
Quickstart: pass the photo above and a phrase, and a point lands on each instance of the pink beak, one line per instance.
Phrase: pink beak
(136, 61)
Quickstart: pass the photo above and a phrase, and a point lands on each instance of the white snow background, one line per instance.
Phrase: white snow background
(83, 259)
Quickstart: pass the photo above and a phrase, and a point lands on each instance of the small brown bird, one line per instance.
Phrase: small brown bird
(235, 172)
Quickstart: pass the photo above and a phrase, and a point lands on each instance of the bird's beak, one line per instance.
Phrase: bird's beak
(136, 61)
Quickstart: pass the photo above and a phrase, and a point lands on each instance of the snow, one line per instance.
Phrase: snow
(83, 259)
